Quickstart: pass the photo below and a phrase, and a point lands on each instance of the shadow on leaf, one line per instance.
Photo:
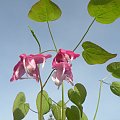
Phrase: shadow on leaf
(18, 115)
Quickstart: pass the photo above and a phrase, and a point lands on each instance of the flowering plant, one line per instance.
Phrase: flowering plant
(104, 12)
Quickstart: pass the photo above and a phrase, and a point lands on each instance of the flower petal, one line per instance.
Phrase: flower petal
(63, 72)
(56, 78)
(29, 65)
(64, 56)
(35, 74)
(39, 58)
(18, 71)
(70, 53)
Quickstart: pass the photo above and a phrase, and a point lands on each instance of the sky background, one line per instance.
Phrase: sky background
(15, 39)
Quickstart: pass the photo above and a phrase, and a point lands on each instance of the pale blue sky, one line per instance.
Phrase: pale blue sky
(16, 39)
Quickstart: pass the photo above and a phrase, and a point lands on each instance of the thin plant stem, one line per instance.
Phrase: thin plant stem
(48, 51)
(67, 102)
(36, 39)
(55, 102)
(40, 79)
(51, 36)
(33, 111)
(40, 116)
(84, 35)
(62, 101)
(106, 82)
(98, 102)
(48, 78)
(99, 94)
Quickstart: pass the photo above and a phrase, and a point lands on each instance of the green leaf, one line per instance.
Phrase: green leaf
(20, 108)
(75, 98)
(44, 10)
(73, 113)
(46, 102)
(80, 89)
(56, 110)
(84, 117)
(114, 68)
(105, 11)
(115, 88)
(94, 54)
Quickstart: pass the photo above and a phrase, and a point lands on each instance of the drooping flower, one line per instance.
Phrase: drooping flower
(62, 65)
(29, 64)
(63, 72)
(64, 56)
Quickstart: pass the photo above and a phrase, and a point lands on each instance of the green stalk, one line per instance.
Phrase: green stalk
(62, 101)
(99, 95)
(36, 39)
(41, 115)
(51, 36)
(48, 78)
(48, 51)
(84, 35)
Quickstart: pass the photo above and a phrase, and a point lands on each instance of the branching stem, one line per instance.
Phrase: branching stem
(84, 35)
(62, 101)
(99, 94)
(48, 51)
(51, 36)
(36, 39)
(48, 78)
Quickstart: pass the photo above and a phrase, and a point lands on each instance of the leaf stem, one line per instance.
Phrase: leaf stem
(33, 110)
(84, 35)
(36, 39)
(48, 51)
(105, 82)
(48, 78)
(67, 102)
(40, 80)
(41, 115)
(63, 101)
(55, 102)
(51, 36)
(99, 95)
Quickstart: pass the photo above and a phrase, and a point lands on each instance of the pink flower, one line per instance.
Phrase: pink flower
(29, 64)
(63, 72)
(64, 56)
(62, 65)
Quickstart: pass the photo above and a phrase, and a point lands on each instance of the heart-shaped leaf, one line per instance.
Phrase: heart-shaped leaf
(114, 68)
(80, 89)
(94, 54)
(75, 98)
(20, 108)
(73, 113)
(105, 11)
(46, 102)
(56, 110)
(115, 88)
(44, 10)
